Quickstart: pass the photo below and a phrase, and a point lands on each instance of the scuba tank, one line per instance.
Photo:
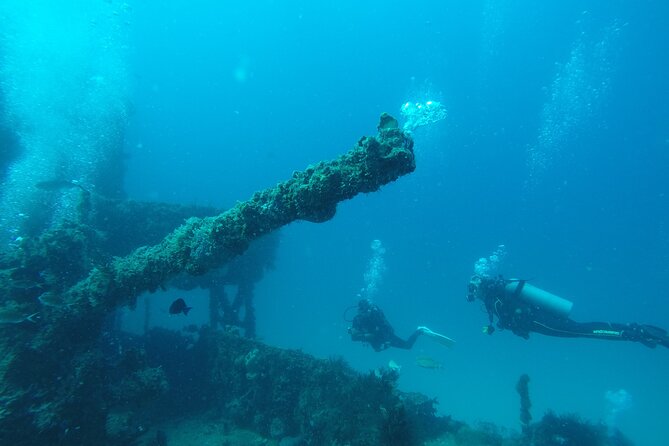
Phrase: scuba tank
(538, 297)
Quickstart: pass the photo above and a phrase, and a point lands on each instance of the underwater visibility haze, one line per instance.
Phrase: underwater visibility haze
(194, 198)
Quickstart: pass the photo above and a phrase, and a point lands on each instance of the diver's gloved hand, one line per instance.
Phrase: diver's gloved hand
(648, 335)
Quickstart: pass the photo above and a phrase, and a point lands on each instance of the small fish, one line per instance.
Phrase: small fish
(55, 185)
(179, 306)
(428, 363)
(50, 299)
(10, 315)
(24, 284)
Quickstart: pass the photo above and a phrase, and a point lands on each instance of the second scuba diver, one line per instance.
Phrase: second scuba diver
(371, 326)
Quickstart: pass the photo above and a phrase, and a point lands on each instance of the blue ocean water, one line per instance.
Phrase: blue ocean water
(556, 145)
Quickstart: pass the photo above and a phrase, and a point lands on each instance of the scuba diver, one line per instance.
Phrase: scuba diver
(371, 326)
(524, 308)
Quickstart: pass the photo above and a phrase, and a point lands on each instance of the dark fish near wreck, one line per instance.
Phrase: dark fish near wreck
(179, 306)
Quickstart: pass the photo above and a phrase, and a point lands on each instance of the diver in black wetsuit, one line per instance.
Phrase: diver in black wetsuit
(524, 308)
(371, 326)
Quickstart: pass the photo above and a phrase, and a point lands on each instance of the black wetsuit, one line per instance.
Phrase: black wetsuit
(522, 318)
(371, 326)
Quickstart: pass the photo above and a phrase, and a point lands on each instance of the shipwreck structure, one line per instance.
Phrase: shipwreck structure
(67, 377)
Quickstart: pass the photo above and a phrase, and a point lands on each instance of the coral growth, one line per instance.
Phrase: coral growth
(288, 394)
(567, 430)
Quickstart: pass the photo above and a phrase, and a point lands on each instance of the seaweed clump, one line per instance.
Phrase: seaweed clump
(561, 430)
(571, 430)
(568, 430)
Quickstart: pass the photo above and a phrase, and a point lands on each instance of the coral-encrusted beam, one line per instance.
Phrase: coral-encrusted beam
(205, 243)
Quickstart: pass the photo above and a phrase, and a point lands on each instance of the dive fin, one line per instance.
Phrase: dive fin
(438, 337)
